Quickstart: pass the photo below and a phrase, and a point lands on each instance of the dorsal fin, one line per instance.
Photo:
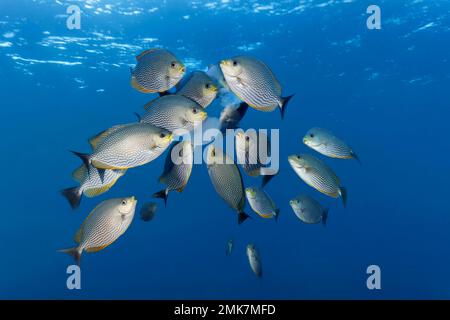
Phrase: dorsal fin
(95, 140)
(143, 53)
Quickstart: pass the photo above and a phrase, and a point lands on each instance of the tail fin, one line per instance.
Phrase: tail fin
(266, 180)
(163, 194)
(283, 105)
(85, 158)
(325, 217)
(73, 195)
(75, 253)
(343, 193)
(242, 216)
(355, 156)
(277, 214)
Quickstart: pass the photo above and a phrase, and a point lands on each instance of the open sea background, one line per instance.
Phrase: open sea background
(384, 91)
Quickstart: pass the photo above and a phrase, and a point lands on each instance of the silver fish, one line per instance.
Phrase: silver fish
(148, 211)
(104, 225)
(229, 248)
(318, 175)
(261, 203)
(227, 180)
(174, 112)
(157, 70)
(91, 185)
(309, 210)
(324, 142)
(232, 115)
(254, 260)
(177, 169)
(253, 152)
(253, 82)
(200, 88)
(127, 147)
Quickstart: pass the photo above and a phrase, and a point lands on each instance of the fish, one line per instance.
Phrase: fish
(309, 210)
(254, 83)
(253, 152)
(318, 175)
(157, 70)
(254, 260)
(177, 169)
(231, 116)
(174, 112)
(227, 180)
(148, 211)
(324, 142)
(125, 147)
(200, 88)
(229, 248)
(261, 203)
(91, 185)
(215, 72)
(104, 225)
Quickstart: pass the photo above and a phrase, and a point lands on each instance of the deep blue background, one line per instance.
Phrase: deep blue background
(384, 91)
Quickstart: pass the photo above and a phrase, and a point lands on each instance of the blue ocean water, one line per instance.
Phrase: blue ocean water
(384, 91)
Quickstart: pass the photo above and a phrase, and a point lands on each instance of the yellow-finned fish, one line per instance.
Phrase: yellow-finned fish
(148, 211)
(318, 175)
(200, 88)
(174, 112)
(127, 147)
(253, 82)
(253, 152)
(324, 142)
(104, 225)
(157, 70)
(227, 180)
(254, 260)
(91, 185)
(261, 203)
(177, 169)
(309, 210)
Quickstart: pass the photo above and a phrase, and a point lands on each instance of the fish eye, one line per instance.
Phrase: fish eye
(213, 153)
(124, 202)
(173, 64)
(247, 138)
(162, 135)
(298, 157)
(207, 86)
(194, 110)
(312, 135)
(235, 63)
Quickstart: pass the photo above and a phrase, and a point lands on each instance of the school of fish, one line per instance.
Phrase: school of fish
(239, 83)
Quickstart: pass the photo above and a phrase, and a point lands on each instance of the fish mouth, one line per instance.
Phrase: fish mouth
(213, 88)
(182, 69)
(224, 63)
(133, 200)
